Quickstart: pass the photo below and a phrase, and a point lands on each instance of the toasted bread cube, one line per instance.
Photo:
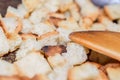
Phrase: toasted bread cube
(112, 11)
(56, 60)
(86, 71)
(4, 45)
(31, 5)
(11, 25)
(32, 64)
(42, 28)
(88, 9)
(7, 69)
(19, 12)
(75, 54)
(98, 27)
(14, 40)
(113, 73)
(26, 26)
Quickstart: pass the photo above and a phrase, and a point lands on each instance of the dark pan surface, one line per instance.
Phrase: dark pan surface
(5, 3)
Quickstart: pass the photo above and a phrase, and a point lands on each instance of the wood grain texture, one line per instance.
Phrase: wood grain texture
(104, 42)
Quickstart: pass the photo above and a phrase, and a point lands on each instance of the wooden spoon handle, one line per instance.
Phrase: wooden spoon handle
(104, 42)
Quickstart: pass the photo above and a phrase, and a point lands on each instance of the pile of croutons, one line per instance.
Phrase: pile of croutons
(35, 44)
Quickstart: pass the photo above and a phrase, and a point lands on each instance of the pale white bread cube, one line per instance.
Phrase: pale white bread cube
(110, 26)
(65, 5)
(85, 23)
(50, 38)
(86, 71)
(56, 60)
(60, 72)
(75, 54)
(31, 5)
(39, 15)
(65, 28)
(98, 27)
(26, 47)
(113, 73)
(88, 9)
(75, 13)
(11, 25)
(19, 12)
(14, 41)
(4, 45)
(112, 11)
(7, 69)
(42, 28)
(32, 64)
(26, 26)
(40, 77)
(52, 5)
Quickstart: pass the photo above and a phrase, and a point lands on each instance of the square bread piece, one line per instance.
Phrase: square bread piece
(86, 71)
(4, 45)
(113, 11)
(113, 73)
(32, 64)
(7, 69)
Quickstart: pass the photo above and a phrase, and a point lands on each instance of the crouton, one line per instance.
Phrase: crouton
(112, 11)
(4, 45)
(75, 54)
(88, 9)
(26, 26)
(40, 77)
(11, 25)
(52, 50)
(98, 27)
(31, 5)
(39, 15)
(7, 69)
(113, 73)
(14, 41)
(27, 46)
(50, 38)
(42, 28)
(19, 12)
(32, 64)
(86, 71)
(56, 61)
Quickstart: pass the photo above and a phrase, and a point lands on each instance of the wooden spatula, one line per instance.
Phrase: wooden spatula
(104, 42)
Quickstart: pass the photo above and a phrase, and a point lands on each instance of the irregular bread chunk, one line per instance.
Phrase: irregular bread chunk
(19, 12)
(30, 5)
(113, 73)
(4, 45)
(14, 40)
(88, 9)
(110, 26)
(75, 54)
(50, 38)
(40, 77)
(98, 27)
(7, 69)
(11, 25)
(32, 64)
(65, 28)
(112, 11)
(26, 26)
(42, 28)
(26, 47)
(56, 61)
(38, 15)
(86, 71)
